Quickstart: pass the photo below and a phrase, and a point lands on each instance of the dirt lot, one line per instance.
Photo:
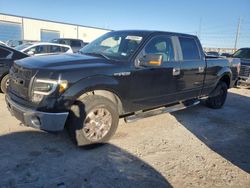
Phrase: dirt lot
(197, 147)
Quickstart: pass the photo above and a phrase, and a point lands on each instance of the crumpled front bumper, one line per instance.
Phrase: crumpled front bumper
(37, 119)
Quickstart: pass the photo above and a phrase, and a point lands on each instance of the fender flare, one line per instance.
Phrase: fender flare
(91, 84)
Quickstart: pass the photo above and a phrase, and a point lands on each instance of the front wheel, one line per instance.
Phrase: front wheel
(92, 119)
(218, 97)
(5, 83)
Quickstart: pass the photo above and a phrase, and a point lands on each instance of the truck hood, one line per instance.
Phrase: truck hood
(63, 61)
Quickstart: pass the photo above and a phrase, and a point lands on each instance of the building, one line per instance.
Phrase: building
(23, 28)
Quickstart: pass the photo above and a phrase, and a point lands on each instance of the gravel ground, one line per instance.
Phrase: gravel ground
(196, 147)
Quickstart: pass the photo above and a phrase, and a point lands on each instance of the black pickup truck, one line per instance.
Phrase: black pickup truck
(244, 76)
(122, 74)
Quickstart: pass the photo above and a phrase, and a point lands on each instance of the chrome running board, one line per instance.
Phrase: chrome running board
(141, 115)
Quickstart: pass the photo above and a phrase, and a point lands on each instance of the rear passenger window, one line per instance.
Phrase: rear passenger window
(4, 53)
(64, 49)
(54, 49)
(189, 48)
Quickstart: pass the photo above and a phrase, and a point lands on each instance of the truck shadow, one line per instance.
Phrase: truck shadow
(226, 131)
(38, 159)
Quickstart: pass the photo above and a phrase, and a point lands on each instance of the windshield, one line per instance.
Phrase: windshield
(114, 45)
(22, 46)
(242, 53)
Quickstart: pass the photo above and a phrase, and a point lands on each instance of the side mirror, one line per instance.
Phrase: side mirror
(30, 53)
(151, 60)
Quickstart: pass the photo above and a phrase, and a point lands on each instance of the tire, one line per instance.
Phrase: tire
(4, 83)
(92, 112)
(218, 97)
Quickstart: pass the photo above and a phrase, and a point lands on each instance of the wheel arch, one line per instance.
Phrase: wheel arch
(107, 94)
(225, 75)
(100, 85)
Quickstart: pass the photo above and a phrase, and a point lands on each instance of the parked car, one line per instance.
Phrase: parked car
(226, 54)
(2, 43)
(122, 74)
(14, 43)
(43, 48)
(213, 53)
(75, 44)
(7, 58)
(244, 55)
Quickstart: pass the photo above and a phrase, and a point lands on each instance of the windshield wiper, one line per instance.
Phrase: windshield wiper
(96, 54)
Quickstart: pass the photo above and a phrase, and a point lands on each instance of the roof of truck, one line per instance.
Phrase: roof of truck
(148, 32)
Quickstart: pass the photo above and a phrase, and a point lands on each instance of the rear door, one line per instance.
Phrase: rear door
(193, 68)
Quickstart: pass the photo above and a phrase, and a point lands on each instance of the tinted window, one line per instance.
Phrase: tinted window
(160, 45)
(189, 48)
(66, 42)
(242, 53)
(75, 43)
(4, 53)
(37, 49)
(64, 49)
(54, 49)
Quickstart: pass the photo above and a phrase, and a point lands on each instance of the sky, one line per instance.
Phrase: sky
(214, 21)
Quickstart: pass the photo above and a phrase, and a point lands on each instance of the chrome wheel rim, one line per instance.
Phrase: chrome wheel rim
(97, 124)
(7, 83)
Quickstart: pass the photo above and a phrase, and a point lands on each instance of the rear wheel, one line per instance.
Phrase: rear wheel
(218, 97)
(5, 83)
(93, 119)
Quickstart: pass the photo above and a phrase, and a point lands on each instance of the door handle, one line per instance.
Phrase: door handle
(201, 69)
(176, 71)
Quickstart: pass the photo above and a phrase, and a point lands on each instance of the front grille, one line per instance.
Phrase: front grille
(20, 78)
(245, 70)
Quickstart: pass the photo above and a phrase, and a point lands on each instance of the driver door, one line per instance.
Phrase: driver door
(155, 86)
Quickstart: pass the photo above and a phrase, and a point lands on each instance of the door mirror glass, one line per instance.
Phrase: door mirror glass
(151, 60)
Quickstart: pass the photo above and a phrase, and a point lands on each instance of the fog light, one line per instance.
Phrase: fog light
(36, 121)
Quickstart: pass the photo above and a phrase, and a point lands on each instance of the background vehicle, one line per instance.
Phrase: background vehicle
(226, 54)
(213, 53)
(129, 74)
(14, 43)
(7, 58)
(43, 48)
(75, 44)
(2, 43)
(244, 55)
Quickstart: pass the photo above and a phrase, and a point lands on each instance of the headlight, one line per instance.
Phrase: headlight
(44, 87)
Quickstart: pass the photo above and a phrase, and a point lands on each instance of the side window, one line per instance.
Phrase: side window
(4, 53)
(160, 45)
(248, 54)
(189, 48)
(41, 49)
(64, 49)
(37, 49)
(54, 49)
(75, 43)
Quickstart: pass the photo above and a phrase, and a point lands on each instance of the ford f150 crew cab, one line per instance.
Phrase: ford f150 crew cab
(122, 74)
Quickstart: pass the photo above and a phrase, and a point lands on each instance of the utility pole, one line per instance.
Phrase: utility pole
(237, 34)
(199, 32)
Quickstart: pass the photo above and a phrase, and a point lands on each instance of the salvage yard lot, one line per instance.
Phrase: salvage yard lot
(190, 148)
